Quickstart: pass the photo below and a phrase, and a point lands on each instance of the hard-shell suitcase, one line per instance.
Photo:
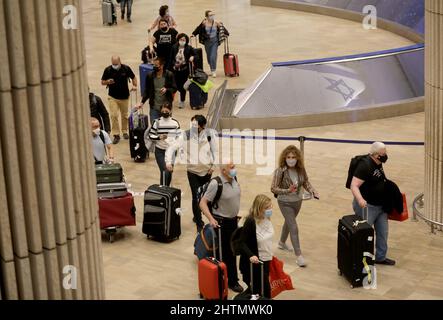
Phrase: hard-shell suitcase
(109, 173)
(161, 220)
(112, 190)
(144, 69)
(213, 276)
(230, 62)
(107, 12)
(355, 251)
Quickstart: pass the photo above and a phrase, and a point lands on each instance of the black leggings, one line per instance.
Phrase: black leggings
(180, 79)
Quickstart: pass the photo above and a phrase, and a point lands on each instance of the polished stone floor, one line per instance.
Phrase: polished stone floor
(136, 268)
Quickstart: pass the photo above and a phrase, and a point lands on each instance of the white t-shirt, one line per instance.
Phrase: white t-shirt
(265, 233)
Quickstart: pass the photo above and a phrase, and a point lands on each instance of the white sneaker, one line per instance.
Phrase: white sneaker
(301, 261)
(283, 246)
(214, 74)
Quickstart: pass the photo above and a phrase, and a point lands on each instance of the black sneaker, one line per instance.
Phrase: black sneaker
(236, 288)
(125, 136)
(116, 140)
(129, 20)
(387, 261)
(123, 16)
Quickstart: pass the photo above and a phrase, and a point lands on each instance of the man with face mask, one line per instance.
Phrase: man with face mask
(224, 214)
(160, 89)
(116, 78)
(200, 148)
(101, 144)
(165, 37)
(368, 188)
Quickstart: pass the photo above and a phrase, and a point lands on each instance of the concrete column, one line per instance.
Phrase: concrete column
(48, 209)
(434, 111)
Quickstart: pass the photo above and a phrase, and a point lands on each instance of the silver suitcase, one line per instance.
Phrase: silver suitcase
(107, 12)
(112, 190)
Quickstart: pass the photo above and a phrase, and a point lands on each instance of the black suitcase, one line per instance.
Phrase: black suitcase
(197, 98)
(247, 294)
(161, 220)
(112, 190)
(198, 59)
(138, 124)
(355, 250)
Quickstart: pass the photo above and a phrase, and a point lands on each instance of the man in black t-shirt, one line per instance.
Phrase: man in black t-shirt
(116, 78)
(368, 188)
(165, 38)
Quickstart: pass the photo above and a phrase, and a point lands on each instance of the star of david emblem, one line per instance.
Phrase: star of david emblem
(341, 87)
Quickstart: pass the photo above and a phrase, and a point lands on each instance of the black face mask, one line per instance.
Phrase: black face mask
(383, 159)
(164, 29)
(156, 69)
(165, 115)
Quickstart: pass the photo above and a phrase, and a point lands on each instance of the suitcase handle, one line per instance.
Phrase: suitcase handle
(262, 278)
(219, 243)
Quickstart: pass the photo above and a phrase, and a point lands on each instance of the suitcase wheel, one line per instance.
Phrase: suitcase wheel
(201, 296)
(352, 286)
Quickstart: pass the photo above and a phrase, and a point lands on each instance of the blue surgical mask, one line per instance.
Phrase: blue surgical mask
(233, 173)
(268, 213)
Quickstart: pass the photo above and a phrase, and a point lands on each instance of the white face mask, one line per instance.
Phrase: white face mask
(211, 17)
(115, 66)
(291, 162)
(182, 43)
(96, 131)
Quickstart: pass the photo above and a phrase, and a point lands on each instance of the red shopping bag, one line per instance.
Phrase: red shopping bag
(279, 280)
(395, 215)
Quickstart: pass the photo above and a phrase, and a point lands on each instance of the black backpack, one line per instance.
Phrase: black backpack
(352, 166)
(202, 190)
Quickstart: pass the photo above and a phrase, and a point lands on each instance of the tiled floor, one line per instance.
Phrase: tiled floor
(136, 268)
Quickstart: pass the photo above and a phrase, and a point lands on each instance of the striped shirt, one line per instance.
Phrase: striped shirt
(161, 126)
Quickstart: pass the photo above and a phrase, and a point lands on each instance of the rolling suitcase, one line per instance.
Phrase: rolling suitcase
(198, 60)
(109, 173)
(144, 69)
(230, 62)
(161, 221)
(115, 213)
(247, 295)
(355, 250)
(138, 124)
(107, 13)
(213, 275)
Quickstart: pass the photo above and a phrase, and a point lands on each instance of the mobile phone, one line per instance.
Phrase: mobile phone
(315, 197)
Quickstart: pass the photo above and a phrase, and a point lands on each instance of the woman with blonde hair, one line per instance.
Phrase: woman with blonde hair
(256, 245)
(290, 178)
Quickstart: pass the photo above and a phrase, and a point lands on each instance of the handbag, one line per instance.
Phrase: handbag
(396, 216)
(278, 279)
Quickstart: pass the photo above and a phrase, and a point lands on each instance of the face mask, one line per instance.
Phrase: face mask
(156, 69)
(164, 29)
(232, 173)
(211, 18)
(194, 125)
(291, 163)
(383, 159)
(268, 213)
(165, 115)
(115, 66)
(96, 132)
(167, 13)
(182, 43)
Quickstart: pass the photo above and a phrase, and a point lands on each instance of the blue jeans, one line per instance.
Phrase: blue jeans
(153, 115)
(378, 219)
(123, 4)
(211, 47)
(165, 175)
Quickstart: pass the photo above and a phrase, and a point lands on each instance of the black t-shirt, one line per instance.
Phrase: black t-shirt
(119, 90)
(165, 41)
(374, 179)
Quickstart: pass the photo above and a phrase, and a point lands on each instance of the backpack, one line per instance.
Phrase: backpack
(352, 166)
(202, 191)
(204, 244)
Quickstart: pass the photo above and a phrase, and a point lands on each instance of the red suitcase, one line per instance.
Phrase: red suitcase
(213, 277)
(230, 61)
(117, 212)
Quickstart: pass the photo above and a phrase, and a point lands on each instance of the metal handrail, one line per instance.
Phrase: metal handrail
(214, 109)
(419, 201)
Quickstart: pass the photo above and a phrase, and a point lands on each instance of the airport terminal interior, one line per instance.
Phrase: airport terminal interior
(384, 84)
